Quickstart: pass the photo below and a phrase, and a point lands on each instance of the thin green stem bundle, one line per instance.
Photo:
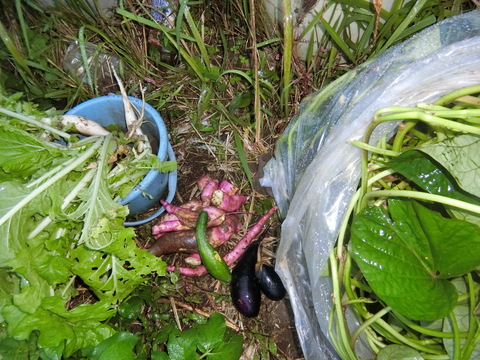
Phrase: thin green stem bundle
(422, 126)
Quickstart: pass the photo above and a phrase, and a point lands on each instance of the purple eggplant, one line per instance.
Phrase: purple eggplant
(270, 283)
(244, 289)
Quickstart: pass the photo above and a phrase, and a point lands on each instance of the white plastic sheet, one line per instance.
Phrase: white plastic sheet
(315, 170)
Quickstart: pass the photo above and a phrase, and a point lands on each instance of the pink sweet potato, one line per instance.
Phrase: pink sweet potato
(186, 216)
(207, 192)
(237, 251)
(203, 181)
(189, 217)
(194, 205)
(185, 242)
(169, 226)
(256, 229)
(227, 188)
(168, 217)
(194, 259)
(228, 203)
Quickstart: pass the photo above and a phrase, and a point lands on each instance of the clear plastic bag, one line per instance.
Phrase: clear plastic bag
(315, 171)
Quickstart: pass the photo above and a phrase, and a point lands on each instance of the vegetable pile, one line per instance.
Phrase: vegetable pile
(410, 269)
(61, 226)
(251, 277)
(183, 229)
(175, 230)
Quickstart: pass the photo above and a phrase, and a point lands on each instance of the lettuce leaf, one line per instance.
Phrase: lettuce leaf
(60, 225)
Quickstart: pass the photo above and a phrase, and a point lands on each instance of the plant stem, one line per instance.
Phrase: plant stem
(400, 135)
(470, 344)
(367, 323)
(445, 99)
(344, 333)
(422, 196)
(374, 149)
(430, 119)
(456, 336)
(423, 330)
(31, 120)
(287, 52)
(80, 160)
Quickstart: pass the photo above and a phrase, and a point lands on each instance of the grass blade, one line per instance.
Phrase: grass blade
(338, 41)
(287, 53)
(198, 38)
(241, 156)
(404, 24)
(166, 31)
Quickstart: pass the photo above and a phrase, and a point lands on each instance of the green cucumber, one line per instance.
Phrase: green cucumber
(211, 259)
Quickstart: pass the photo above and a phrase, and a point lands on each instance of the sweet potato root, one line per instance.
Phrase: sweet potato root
(189, 217)
(169, 226)
(256, 229)
(237, 251)
(203, 181)
(228, 203)
(227, 188)
(208, 191)
(185, 242)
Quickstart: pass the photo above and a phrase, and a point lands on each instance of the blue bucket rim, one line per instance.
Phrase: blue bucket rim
(172, 188)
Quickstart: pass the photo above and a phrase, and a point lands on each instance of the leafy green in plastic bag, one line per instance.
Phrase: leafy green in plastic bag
(408, 254)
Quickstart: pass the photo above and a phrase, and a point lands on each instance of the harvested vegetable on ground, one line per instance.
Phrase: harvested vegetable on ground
(211, 258)
(409, 271)
(269, 282)
(251, 277)
(61, 225)
(174, 229)
(244, 289)
(184, 241)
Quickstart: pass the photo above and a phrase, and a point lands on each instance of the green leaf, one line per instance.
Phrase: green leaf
(458, 155)
(11, 192)
(408, 253)
(159, 355)
(211, 333)
(419, 168)
(12, 349)
(9, 285)
(23, 154)
(398, 352)
(183, 345)
(229, 349)
(433, 178)
(54, 269)
(119, 347)
(78, 328)
(131, 308)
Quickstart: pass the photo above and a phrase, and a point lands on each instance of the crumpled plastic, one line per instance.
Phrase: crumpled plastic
(315, 171)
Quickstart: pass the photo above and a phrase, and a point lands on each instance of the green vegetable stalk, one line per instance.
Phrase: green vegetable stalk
(407, 253)
(213, 262)
(60, 223)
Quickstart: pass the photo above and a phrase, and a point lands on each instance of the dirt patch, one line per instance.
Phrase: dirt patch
(279, 324)
(272, 334)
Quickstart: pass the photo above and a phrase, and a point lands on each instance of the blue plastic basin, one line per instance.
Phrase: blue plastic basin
(108, 110)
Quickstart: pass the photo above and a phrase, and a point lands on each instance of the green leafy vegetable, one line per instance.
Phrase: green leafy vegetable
(119, 347)
(60, 225)
(399, 352)
(433, 178)
(213, 340)
(408, 254)
(24, 155)
(458, 156)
